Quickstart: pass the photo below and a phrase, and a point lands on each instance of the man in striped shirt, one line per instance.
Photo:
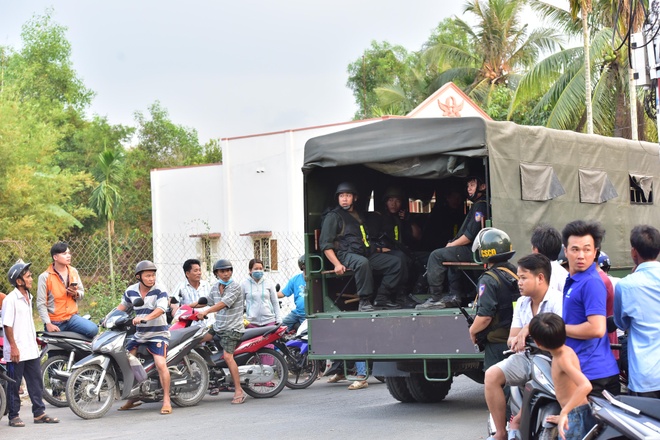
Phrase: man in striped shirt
(154, 332)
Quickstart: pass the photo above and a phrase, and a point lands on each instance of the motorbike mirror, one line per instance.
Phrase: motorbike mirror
(173, 300)
(138, 302)
(203, 301)
(277, 287)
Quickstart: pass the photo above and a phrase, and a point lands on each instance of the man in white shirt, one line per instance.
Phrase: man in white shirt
(20, 347)
(537, 297)
(191, 290)
(546, 240)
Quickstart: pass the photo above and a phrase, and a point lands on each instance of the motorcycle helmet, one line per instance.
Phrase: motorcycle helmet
(604, 261)
(222, 264)
(144, 265)
(301, 262)
(561, 259)
(492, 246)
(346, 187)
(16, 272)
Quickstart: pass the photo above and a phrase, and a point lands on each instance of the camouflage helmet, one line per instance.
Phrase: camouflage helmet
(492, 246)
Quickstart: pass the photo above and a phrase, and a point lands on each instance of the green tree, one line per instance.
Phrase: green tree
(502, 48)
(379, 66)
(105, 198)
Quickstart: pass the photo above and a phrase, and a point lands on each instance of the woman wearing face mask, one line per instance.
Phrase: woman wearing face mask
(261, 305)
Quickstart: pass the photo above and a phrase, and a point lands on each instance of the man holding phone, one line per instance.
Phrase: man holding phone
(58, 291)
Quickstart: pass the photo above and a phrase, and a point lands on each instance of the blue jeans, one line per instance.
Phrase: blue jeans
(580, 421)
(292, 320)
(361, 369)
(79, 325)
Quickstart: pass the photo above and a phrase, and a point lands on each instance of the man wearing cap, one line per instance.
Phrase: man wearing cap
(345, 242)
(458, 249)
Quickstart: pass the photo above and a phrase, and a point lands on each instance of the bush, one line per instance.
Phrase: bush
(101, 299)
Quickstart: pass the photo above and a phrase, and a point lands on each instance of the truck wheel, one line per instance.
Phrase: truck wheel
(398, 389)
(425, 391)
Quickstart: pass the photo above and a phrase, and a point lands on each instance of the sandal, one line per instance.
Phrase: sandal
(17, 423)
(358, 385)
(336, 378)
(46, 419)
(166, 409)
(237, 400)
(129, 405)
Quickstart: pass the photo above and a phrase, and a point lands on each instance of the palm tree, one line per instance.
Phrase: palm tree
(584, 8)
(558, 83)
(105, 197)
(501, 46)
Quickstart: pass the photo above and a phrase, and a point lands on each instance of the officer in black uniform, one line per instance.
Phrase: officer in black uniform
(345, 242)
(456, 250)
(497, 290)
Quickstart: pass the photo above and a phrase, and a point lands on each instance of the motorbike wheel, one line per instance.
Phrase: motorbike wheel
(3, 401)
(399, 389)
(200, 372)
(549, 433)
(425, 391)
(300, 377)
(80, 392)
(273, 387)
(54, 389)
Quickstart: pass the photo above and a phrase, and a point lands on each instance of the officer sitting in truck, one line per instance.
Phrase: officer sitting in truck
(344, 240)
(457, 250)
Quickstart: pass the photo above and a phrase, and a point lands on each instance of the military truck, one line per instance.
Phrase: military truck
(534, 175)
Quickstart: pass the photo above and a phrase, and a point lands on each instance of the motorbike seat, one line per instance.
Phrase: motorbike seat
(179, 335)
(257, 331)
(67, 335)
(647, 405)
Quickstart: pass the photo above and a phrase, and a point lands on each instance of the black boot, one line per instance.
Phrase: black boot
(383, 302)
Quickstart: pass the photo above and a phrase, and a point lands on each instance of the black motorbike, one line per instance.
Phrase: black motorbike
(64, 350)
(629, 417)
(537, 400)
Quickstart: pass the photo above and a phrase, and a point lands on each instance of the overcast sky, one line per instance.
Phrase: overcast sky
(227, 68)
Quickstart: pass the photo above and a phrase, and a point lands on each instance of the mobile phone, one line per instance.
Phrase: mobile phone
(73, 284)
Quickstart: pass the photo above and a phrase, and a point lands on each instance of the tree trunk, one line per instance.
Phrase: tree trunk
(587, 71)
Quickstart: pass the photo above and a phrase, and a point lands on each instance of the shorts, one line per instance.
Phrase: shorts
(517, 370)
(156, 348)
(580, 421)
(228, 339)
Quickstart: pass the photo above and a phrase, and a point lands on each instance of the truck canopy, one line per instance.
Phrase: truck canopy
(535, 174)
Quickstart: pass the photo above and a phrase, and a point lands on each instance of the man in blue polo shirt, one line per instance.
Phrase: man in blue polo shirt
(584, 307)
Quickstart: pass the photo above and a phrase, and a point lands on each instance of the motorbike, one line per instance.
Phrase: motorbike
(629, 417)
(302, 371)
(110, 369)
(64, 350)
(536, 401)
(263, 371)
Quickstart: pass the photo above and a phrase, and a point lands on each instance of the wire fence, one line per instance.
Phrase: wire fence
(91, 256)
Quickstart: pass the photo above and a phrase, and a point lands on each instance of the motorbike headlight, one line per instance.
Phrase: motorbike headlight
(542, 379)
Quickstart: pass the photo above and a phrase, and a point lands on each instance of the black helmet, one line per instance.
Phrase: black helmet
(17, 271)
(561, 259)
(492, 246)
(222, 264)
(346, 187)
(479, 179)
(393, 191)
(301, 262)
(604, 261)
(144, 265)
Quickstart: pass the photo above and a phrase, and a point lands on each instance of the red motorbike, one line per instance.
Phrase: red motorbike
(263, 371)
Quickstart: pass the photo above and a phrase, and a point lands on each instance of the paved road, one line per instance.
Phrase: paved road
(322, 411)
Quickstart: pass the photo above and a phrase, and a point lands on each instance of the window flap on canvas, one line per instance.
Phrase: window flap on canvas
(645, 183)
(539, 182)
(595, 186)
